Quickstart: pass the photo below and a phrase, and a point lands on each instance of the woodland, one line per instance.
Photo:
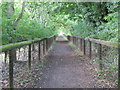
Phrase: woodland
(30, 27)
(23, 21)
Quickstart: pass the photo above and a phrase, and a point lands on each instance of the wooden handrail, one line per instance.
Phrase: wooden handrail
(47, 42)
(14, 45)
(86, 46)
(83, 42)
(106, 43)
(11, 46)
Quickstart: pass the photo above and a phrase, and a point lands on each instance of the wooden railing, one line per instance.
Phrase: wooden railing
(81, 42)
(10, 51)
(93, 48)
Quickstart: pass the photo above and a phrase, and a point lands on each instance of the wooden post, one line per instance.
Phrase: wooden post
(46, 44)
(29, 57)
(49, 42)
(13, 54)
(81, 44)
(39, 50)
(73, 40)
(33, 49)
(90, 49)
(68, 37)
(84, 47)
(54, 38)
(43, 46)
(11, 60)
(77, 42)
(100, 56)
(5, 57)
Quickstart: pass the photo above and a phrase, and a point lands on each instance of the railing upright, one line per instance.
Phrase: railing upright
(84, 46)
(11, 69)
(100, 56)
(11, 50)
(43, 47)
(84, 42)
(90, 49)
(39, 50)
(81, 44)
(29, 57)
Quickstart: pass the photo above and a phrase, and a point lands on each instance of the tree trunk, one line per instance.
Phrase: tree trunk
(10, 13)
(15, 22)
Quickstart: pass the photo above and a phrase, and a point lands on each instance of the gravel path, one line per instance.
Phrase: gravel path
(65, 69)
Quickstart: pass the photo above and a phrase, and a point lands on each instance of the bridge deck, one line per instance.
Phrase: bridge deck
(65, 69)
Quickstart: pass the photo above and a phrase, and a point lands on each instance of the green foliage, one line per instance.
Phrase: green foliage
(94, 21)
(108, 31)
(81, 29)
(97, 20)
(28, 28)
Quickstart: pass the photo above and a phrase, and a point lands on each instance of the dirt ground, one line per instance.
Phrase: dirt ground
(62, 67)
(65, 69)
